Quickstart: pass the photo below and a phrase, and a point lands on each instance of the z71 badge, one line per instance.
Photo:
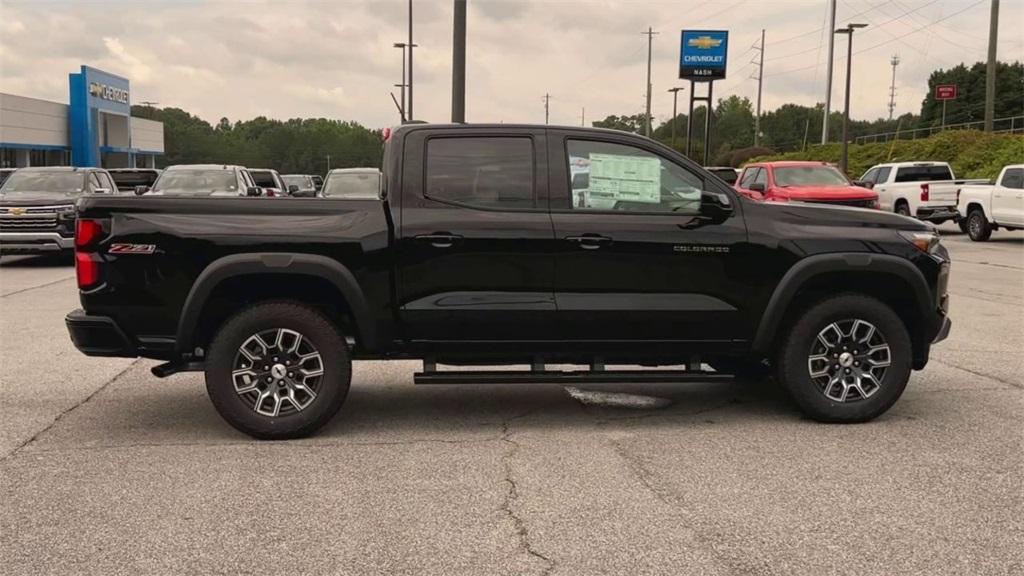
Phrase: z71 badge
(132, 249)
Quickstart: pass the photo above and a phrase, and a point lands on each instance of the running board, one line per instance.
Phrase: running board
(569, 377)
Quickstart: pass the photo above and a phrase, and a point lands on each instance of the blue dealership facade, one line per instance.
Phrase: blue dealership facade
(96, 128)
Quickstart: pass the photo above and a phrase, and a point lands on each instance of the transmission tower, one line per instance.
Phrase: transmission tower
(892, 87)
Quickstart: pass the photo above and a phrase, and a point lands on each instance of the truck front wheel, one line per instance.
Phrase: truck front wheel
(846, 359)
(278, 370)
(978, 227)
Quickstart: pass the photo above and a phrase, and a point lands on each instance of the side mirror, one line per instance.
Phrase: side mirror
(140, 190)
(715, 206)
(757, 187)
(254, 191)
(864, 184)
(293, 188)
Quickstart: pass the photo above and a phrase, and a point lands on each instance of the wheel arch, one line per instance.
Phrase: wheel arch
(307, 268)
(891, 279)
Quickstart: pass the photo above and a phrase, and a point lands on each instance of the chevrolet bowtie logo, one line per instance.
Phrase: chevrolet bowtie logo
(17, 211)
(95, 89)
(704, 42)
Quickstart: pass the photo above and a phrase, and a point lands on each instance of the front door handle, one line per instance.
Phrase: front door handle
(439, 239)
(590, 241)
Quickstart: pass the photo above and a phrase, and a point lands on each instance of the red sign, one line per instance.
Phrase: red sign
(945, 92)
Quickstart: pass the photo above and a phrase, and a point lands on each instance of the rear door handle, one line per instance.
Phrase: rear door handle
(439, 239)
(590, 241)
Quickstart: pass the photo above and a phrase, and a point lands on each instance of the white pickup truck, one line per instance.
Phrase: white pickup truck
(926, 190)
(988, 207)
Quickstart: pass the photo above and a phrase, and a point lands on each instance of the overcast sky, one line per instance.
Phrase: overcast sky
(335, 59)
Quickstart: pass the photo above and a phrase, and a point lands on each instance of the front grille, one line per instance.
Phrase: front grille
(854, 203)
(31, 218)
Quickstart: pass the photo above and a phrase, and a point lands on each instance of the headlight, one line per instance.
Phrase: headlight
(924, 241)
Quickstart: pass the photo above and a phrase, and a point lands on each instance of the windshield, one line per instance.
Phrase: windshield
(263, 179)
(196, 182)
(127, 181)
(25, 183)
(365, 185)
(810, 176)
(303, 182)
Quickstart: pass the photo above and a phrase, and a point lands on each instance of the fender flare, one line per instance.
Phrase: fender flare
(274, 263)
(806, 269)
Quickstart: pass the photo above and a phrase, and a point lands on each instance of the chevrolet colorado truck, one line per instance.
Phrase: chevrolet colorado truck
(478, 252)
(987, 207)
(37, 207)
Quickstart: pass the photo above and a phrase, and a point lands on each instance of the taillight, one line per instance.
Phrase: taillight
(924, 192)
(87, 270)
(88, 233)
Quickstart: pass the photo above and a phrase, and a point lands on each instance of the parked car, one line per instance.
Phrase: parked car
(816, 182)
(4, 173)
(926, 190)
(988, 207)
(479, 255)
(271, 182)
(127, 179)
(37, 207)
(305, 186)
(203, 180)
(352, 183)
(726, 173)
(319, 181)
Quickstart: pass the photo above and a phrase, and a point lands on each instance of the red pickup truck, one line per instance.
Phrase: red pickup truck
(816, 182)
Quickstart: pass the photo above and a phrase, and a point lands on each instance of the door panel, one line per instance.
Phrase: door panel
(475, 238)
(1008, 198)
(659, 271)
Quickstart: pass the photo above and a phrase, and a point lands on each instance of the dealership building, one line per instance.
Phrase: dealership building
(95, 127)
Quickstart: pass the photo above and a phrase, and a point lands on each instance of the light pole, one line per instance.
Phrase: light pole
(402, 45)
(408, 109)
(675, 100)
(843, 157)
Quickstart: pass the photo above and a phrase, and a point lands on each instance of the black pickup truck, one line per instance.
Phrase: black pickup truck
(485, 249)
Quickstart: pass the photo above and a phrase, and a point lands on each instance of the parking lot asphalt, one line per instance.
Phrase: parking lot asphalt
(108, 470)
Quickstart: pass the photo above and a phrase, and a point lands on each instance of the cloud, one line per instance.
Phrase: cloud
(335, 59)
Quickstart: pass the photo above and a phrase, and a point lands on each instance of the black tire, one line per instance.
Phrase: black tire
(978, 227)
(902, 208)
(794, 360)
(318, 334)
(962, 223)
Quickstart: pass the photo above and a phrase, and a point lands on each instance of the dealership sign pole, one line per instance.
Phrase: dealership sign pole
(944, 93)
(702, 58)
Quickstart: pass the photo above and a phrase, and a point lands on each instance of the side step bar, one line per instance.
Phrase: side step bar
(568, 377)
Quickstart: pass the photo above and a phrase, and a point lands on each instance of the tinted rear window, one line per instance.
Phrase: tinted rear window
(487, 172)
(923, 173)
(129, 180)
(263, 179)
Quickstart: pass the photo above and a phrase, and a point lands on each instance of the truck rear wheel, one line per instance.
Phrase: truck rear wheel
(846, 359)
(978, 227)
(278, 370)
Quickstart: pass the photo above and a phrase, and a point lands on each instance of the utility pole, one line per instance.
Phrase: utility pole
(647, 119)
(892, 87)
(675, 101)
(760, 81)
(547, 100)
(990, 72)
(402, 108)
(328, 162)
(844, 155)
(583, 116)
(828, 77)
(459, 63)
(411, 46)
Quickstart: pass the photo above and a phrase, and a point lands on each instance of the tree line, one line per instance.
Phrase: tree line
(793, 127)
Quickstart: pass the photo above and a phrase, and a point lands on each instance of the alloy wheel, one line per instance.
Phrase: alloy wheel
(848, 360)
(277, 372)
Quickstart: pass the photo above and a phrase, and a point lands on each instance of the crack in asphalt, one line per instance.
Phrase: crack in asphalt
(66, 411)
(36, 287)
(291, 444)
(512, 494)
(1016, 385)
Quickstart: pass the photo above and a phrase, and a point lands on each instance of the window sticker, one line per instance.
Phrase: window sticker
(616, 178)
